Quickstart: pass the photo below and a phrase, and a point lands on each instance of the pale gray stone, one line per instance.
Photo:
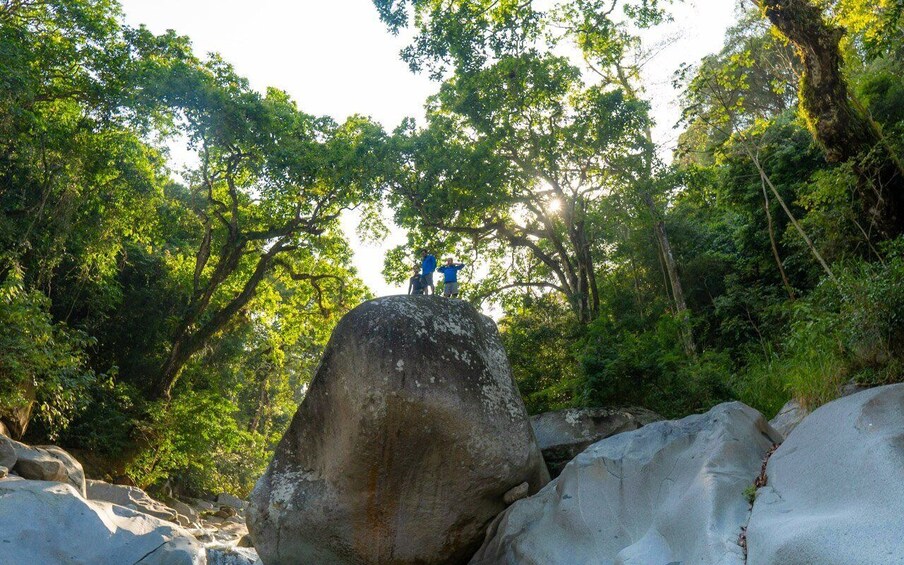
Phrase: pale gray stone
(50, 522)
(184, 509)
(670, 492)
(130, 497)
(791, 414)
(7, 452)
(232, 556)
(408, 438)
(563, 434)
(835, 491)
(230, 500)
(48, 463)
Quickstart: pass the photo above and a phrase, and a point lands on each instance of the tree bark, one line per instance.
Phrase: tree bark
(843, 129)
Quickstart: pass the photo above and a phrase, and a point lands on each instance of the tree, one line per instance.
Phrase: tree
(836, 119)
(529, 151)
(269, 190)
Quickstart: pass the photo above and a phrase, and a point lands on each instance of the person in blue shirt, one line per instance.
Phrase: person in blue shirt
(428, 265)
(450, 277)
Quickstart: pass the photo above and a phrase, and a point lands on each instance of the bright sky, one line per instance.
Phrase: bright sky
(334, 57)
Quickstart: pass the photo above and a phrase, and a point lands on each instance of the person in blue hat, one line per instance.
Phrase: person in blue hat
(450, 277)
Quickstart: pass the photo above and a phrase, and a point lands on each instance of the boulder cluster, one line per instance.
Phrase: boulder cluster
(412, 446)
(50, 513)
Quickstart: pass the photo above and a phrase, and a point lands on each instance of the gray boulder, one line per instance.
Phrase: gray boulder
(225, 499)
(48, 463)
(409, 437)
(563, 434)
(185, 510)
(8, 455)
(670, 492)
(130, 497)
(48, 522)
(232, 556)
(835, 491)
(791, 414)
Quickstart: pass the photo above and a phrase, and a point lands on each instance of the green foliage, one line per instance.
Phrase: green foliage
(539, 336)
(198, 445)
(40, 362)
(648, 368)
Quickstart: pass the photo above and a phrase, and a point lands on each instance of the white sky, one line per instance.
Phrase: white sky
(335, 57)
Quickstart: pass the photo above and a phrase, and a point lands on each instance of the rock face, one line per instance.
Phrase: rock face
(232, 556)
(410, 436)
(835, 492)
(8, 455)
(791, 414)
(47, 522)
(130, 497)
(670, 492)
(563, 434)
(49, 463)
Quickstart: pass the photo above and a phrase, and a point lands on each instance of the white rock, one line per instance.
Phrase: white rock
(48, 523)
(670, 492)
(130, 497)
(835, 491)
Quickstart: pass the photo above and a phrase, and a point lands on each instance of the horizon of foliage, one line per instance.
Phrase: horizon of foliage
(165, 326)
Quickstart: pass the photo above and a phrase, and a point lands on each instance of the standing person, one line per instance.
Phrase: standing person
(428, 265)
(450, 277)
(416, 283)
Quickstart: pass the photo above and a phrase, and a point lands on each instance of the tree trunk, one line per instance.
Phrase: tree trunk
(671, 266)
(843, 129)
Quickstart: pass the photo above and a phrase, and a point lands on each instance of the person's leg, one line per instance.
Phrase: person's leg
(450, 289)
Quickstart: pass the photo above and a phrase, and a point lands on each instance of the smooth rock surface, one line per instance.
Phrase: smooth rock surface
(563, 434)
(130, 497)
(230, 500)
(48, 463)
(670, 492)
(835, 491)
(409, 437)
(49, 522)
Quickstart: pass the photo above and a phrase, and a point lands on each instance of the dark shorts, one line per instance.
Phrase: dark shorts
(450, 288)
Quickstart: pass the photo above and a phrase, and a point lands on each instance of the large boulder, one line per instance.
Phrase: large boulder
(409, 438)
(47, 522)
(130, 497)
(670, 492)
(563, 434)
(835, 491)
(47, 463)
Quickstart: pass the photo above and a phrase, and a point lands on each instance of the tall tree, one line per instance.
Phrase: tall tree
(268, 193)
(837, 120)
(534, 150)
